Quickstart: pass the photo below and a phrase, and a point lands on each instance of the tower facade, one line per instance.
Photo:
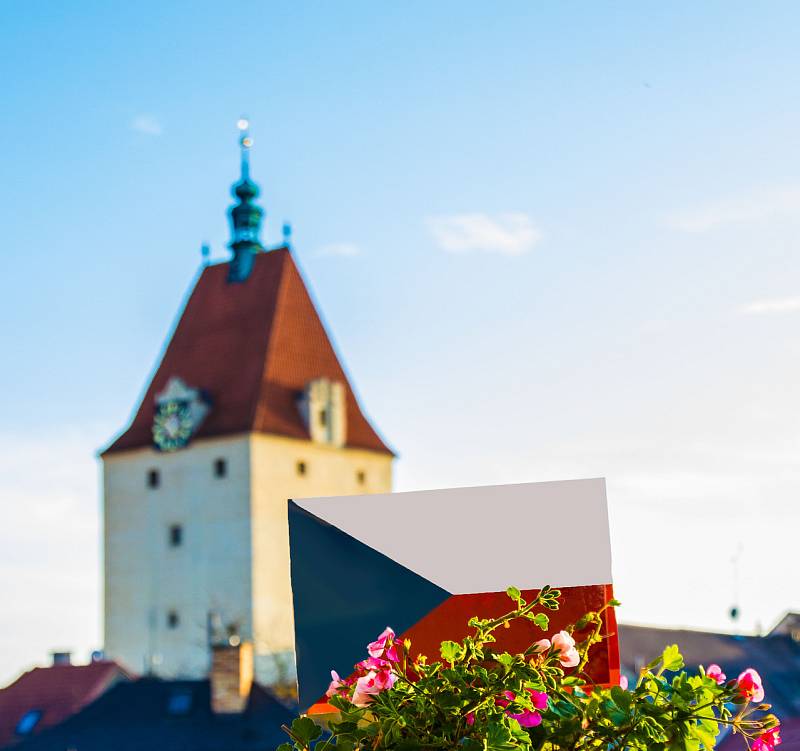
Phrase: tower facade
(249, 407)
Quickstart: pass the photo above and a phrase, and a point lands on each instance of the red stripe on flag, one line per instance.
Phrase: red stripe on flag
(449, 621)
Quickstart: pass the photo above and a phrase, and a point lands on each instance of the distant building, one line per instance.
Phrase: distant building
(223, 712)
(249, 406)
(46, 696)
(788, 625)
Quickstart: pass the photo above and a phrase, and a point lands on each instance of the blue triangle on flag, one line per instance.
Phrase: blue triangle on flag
(345, 593)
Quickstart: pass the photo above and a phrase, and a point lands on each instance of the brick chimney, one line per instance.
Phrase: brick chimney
(231, 677)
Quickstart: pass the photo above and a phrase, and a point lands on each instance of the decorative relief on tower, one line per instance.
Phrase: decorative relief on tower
(180, 410)
(323, 407)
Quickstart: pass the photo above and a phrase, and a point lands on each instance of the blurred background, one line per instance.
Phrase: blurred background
(551, 241)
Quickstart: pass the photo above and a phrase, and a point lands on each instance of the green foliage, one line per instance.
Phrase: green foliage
(477, 699)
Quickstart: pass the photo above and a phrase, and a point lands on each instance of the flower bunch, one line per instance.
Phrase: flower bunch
(748, 689)
(477, 699)
(373, 675)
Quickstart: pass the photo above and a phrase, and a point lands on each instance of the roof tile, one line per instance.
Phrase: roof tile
(252, 346)
(58, 691)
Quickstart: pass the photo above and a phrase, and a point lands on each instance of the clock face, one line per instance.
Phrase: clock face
(173, 425)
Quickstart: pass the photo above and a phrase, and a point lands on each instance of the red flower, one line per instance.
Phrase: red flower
(750, 685)
(768, 740)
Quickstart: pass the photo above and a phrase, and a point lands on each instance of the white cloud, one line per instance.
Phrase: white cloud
(768, 203)
(50, 537)
(342, 250)
(510, 234)
(147, 124)
(761, 307)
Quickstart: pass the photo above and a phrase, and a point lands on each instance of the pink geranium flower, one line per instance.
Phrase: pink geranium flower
(715, 673)
(750, 685)
(565, 644)
(391, 653)
(527, 718)
(538, 698)
(507, 698)
(372, 663)
(768, 740)
(541, 646)
(371, 684)
(376, 647)
(336, 686)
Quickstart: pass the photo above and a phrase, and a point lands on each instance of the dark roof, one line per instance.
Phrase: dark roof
(57, 692)
(136, 716)
(252, 346)
(775, 657)
(788, 624)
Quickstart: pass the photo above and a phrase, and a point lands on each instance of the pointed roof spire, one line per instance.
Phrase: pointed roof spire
(246, 216)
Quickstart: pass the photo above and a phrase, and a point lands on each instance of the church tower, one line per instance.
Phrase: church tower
(249, 406)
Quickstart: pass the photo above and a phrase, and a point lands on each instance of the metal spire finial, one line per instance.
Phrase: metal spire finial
(287, 234)
(245, 143)
(246, 215)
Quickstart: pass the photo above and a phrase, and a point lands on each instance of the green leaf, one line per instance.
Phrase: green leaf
(707, 738)
(653, 663)
(541, 620)
(285, 747)
(450, 651)
(622, 698)
(514, 593)
(498, 738)
(673, 659)
(306, 730)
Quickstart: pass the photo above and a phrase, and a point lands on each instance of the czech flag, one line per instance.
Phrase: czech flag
(425, 562)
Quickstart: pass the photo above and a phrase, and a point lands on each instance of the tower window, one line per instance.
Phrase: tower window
(153, 478)
(173, 619)
(301, 468)
(361, 476)
(220, 468)
(175, 535)
(323, 418)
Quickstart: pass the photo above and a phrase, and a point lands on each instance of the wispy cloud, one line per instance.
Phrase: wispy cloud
(147, 124)
(765, 307)
(766, 203)
(341, 250)
(510, 234)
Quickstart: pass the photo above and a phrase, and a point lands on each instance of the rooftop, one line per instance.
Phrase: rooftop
(168, 716)
(251, 347)
(46, 696)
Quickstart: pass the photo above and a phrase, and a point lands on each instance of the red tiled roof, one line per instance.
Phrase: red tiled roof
(58, 691)
(252, 346)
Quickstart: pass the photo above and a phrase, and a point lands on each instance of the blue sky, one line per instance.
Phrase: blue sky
(551, 240)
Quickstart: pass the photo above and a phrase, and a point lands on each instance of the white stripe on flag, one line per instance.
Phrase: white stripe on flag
(483, 539)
